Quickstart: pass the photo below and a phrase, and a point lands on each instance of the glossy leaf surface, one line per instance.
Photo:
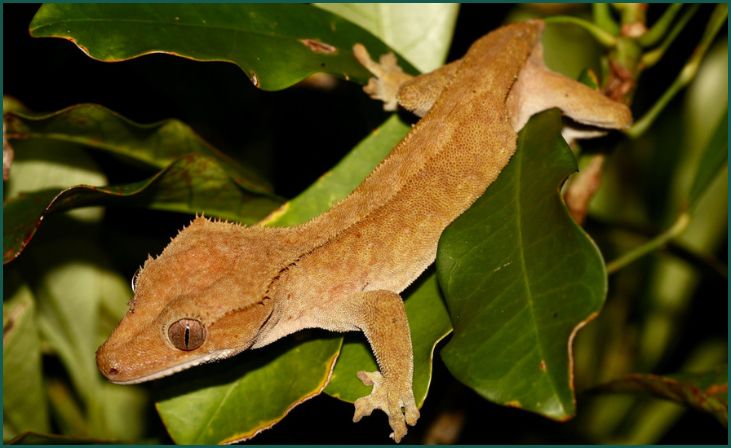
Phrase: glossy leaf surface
(275, 45)
(235, 399)
(96, 127)
(192, 184)
(421, 32)
(520, 277)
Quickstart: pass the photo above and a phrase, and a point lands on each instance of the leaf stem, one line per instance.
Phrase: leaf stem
(658, 30)
(652, 57)
(603, 18)
(675, 230)
(718, 18)
(603, 37)
(708, 263)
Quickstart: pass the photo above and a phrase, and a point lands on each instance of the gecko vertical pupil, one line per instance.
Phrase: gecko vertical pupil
(187, 334)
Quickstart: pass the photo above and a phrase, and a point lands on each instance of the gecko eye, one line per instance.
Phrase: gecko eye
(187, 334)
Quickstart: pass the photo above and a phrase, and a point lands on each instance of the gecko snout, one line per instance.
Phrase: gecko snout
(107, 366)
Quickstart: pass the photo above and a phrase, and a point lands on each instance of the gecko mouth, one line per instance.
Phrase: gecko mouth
(211, 357)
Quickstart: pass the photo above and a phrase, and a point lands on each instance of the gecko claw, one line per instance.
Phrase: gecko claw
(399, 405)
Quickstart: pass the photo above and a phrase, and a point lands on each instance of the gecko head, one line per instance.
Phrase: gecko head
(203, 299)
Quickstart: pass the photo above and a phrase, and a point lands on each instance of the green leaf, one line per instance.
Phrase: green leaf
(192, 184)
(429, 323)
(43, 164)
(65, 408)
(712, 161)
(421, 33)
(275, 45)
(155, 145)
(71, 276)
(602, 16)
(236, 399)
(342, 179)
(706, 391)
(24, 402)
(520, 278)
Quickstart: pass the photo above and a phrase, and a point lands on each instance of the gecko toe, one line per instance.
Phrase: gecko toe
(412, 414)
(398, 426)
(363, 408)
(398, 403)
(370, 378)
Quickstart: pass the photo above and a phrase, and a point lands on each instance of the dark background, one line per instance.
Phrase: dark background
(269, 131)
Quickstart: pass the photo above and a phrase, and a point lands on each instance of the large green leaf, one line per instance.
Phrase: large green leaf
(24, 402)
(71, 281)
(429, 323)
(236, 399)
(712, 162)
(42, 165)
(191, 184)
(275, 45)
(96, 127)
(520, 278)
(421, 32)
(707, 391)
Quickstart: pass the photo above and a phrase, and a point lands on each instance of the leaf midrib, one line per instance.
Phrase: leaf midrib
(523, 263)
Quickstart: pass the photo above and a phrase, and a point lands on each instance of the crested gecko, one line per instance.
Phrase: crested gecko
(220, 288)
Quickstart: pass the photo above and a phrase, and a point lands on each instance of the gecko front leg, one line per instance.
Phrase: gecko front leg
(394, 87)
(387, 80)
(382, 318)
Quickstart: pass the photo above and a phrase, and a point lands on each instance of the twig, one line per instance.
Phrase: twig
(603, 37)
(652, 57)
(676, 229)
(718, 18)
(658, 30)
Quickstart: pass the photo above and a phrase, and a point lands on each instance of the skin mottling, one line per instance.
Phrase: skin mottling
(344, 270)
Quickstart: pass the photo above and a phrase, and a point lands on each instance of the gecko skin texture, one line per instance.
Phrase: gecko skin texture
(220, 288)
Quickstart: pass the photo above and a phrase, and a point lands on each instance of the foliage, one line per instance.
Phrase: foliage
(515, 280)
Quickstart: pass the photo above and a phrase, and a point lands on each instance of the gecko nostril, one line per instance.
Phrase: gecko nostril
(113, 371)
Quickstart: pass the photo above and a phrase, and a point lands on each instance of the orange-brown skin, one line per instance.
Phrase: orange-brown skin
(245, 287)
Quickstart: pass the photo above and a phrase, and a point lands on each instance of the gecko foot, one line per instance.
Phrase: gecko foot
(397, 402)
(388, 77)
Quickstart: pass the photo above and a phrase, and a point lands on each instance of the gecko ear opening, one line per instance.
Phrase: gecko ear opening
(187, 334)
